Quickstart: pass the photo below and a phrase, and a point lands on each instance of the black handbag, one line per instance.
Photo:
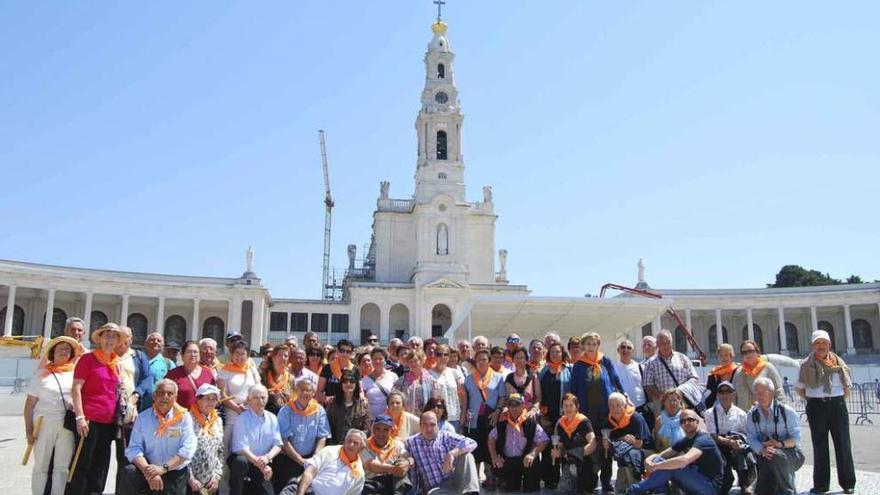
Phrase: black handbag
(69, 415)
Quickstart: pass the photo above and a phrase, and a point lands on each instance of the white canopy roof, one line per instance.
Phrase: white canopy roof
(495, 316)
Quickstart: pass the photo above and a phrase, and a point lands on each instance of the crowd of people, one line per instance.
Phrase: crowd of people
(424, 417)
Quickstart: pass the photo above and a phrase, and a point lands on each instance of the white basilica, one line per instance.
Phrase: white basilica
(430, 270)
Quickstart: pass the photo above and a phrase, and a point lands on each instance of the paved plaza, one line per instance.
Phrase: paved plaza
(16, 478)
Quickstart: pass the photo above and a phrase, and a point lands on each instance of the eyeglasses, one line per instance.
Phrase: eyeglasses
(345, 351)
(372, 341)
(749, 351)
(629, 347)
(349, 382)
(439, 406)
(686, 420)
(441, 354)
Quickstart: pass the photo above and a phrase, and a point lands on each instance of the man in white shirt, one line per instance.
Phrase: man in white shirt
(630, 373)
(727, 425)
(335, 470)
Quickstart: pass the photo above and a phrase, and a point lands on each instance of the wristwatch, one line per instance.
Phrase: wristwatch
(165, 468)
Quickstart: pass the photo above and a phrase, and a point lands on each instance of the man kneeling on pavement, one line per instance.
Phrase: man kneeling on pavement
(385, 461)
(727, 425)
(521, 439)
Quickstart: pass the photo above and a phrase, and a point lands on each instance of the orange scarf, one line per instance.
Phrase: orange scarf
(517, 424)
(64, 368)
(111, 361)
(336, 367)
(596, 365)
(570, 425)
(555, 368)
(829, 360)
(482, 382)
(398, 422)
(206, 423)
(310, 409)
(234, 368)
(383, 453)
(723, 371)
(430, 362)
(535, 366)
(353, 464)
(759, 366)
(624, 421)
(280, 385)
(164, 424)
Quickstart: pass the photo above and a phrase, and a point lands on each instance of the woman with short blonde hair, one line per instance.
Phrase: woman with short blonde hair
(724, 372)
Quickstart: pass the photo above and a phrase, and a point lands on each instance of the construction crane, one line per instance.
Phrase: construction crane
(327, 287)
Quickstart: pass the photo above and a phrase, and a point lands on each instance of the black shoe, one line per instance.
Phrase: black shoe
(607, 489)
(818, 490)
(849, 490)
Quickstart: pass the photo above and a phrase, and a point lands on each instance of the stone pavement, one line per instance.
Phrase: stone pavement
(16, 478)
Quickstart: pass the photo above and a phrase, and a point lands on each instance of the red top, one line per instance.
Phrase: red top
(186, 394)
(99, 389)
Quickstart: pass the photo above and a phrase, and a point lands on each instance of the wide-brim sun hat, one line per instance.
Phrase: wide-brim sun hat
(74, 345)
(108, 327)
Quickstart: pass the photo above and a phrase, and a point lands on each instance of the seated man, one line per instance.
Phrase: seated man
(335, 470)
(304, 431)
(443, 461)
(775, 444)
(161, 447)
(256, 440)
(727, 425)
(385, 461)
(694, 463)
(521, 439)
(629, 437)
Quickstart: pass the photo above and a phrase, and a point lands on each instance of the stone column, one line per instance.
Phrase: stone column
(656, 325)
(10, 312)
(160, 316)
(719, 330)
(87, 313)
(196, 326)
(384, 324)
(783, 341)
(687, 321)
(230, 314)
(847, 321)
(236, 314)
(50, 309)
(257, 330)
(123, 313)
(750, 321)
(814, 319)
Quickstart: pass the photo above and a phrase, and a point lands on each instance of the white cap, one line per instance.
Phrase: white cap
(819, 335)
(207, 388)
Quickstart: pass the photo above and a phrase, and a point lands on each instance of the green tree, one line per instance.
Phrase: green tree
(854, 279)
(798, 276)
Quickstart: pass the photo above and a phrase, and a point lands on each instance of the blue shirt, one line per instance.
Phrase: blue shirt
(303, 432)
(178, 440)
(494, 391)
(255, 433)
(781, 424)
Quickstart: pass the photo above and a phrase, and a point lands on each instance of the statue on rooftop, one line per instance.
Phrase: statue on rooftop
(249, 259)
(487, 194)
(383, 189)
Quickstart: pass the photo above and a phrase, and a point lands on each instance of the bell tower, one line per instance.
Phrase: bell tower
(439, 169)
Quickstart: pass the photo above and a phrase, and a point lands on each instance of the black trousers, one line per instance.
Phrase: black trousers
(284, 469)
(517, 477)
(173, 482)
(746, 477)
(122, 461)
(831, 416)
(245, 478)
(386, 484)
(90, 474)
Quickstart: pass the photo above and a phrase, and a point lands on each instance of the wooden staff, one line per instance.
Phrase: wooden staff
(79, 447)
(27, 452)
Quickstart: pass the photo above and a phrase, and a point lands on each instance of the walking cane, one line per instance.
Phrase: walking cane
(27, 452)
(79, 447)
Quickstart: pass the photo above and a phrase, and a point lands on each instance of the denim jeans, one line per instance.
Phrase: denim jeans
(689, 478)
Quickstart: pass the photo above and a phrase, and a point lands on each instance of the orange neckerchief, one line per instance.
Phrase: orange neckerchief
(517, 424)
(495, 367)
(111, 361)
(383, 453)
(753, 372)
(624, 421)
(64, 368)
(535, 366)
(206, 423)
(555, 367)
(596, 365)
(430, 362)
(353, 464)
(310, 409)
(483, 382)
(336, 367)
(230, 366)
(398, 422)
(829, 360)
(164, 424)
(280, 385)
(570, 425)
(722, 371)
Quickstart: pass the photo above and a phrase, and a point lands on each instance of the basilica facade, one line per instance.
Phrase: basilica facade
(431, 258)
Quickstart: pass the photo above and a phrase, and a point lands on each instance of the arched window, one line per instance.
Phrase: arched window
(647, 330)
(759, 334)
(862, 338)
(441, 145)
(441, 71)
(713, 336)
(138, 324)
(58, 319)
(442, 239)
(213, 328)
(828, 327)
(17, 320)
(791, 337)
(681, 342)
(96, 320)
(175, 330)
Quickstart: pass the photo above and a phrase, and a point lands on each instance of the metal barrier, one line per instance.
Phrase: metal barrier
(863, 402)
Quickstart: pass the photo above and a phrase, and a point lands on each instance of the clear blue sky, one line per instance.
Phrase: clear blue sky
(717, 140)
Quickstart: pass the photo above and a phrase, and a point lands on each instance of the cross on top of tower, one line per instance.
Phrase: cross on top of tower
(440, 4)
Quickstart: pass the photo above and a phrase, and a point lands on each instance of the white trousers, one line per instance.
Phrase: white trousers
(52, 435)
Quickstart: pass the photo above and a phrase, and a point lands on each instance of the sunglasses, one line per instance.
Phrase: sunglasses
(626, 347)
(749, 351)
(686, 420)
(349, 381)
(441, 354)
(372, 340)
